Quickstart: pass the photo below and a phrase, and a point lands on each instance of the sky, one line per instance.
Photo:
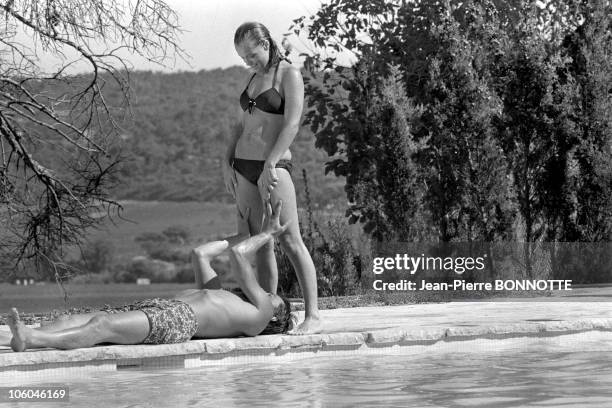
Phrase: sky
(210, 24)
(207, 35)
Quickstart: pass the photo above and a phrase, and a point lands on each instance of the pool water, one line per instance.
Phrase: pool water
(569, 370)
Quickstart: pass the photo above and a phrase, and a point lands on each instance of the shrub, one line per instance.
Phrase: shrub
(184, 274)
(93, 278)
(96, 257)
(153, 269)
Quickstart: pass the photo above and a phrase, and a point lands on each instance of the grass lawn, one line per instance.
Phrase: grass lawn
(203, 220)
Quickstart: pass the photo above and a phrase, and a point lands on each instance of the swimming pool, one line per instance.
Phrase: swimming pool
(569, 370)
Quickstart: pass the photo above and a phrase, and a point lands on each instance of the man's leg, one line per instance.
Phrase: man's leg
(60, 323)
(64, 322)
(120, 328)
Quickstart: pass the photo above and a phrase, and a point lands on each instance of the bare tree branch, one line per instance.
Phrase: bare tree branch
(57, 127)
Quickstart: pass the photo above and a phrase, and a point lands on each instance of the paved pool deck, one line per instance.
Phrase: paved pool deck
(381, 329)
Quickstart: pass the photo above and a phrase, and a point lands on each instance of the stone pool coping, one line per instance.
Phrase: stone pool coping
(354, 330)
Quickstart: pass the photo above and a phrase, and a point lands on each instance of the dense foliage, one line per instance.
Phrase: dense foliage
(468, 121)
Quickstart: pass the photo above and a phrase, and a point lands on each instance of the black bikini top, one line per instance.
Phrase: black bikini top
(269, 101)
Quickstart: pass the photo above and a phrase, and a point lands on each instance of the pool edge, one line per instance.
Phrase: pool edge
(198, 353)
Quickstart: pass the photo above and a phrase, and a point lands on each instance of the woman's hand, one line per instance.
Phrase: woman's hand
(229, 178)
(267, 181)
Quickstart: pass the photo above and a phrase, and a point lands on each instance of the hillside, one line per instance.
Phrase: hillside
(176, 136)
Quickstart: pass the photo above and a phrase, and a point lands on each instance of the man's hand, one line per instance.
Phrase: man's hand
(271, 223)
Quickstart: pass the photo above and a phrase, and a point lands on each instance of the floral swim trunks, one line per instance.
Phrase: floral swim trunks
(170, 320)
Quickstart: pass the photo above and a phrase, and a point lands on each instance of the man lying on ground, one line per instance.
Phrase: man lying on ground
(206, 312)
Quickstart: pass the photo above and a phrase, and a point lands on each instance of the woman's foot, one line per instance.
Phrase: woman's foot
(310, 325)
(19, 330)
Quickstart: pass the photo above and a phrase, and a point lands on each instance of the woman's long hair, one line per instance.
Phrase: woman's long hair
(258, 33)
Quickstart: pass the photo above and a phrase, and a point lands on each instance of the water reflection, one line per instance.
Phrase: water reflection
(571, 370)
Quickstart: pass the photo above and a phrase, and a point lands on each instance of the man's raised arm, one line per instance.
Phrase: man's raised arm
(241, 265)
(201, 256)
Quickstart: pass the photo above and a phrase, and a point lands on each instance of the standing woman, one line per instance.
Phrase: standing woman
(257, 165)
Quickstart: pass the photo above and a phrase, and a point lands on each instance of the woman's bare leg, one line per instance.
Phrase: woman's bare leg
(119, 328)
(247, 196)
(293, 245)
(267, 268)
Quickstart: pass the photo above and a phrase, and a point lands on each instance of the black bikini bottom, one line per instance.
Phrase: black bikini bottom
(252, 169)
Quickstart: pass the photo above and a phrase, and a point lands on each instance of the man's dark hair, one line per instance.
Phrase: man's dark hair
(280, 319)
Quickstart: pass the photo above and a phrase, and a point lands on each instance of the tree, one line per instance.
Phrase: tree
(57, 146)
(469, 195)
(97, 256)
(418, 142)
(364, 116)
(589, 174)
(513, 126)
(589, 47)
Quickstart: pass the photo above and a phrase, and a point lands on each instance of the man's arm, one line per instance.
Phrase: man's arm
(244, 271)
(205, 275)
(262, 311)
(236, 239)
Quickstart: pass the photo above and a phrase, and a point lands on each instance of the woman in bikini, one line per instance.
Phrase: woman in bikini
(257, 165)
